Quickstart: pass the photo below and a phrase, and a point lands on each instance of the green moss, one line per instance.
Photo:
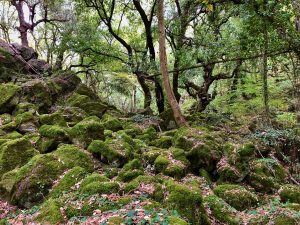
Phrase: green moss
(131, 170)
(85, 210)
(266, 174)
(6, 118)
(285, 220)
(161, 163)
(90, 106)
(187, 201)
(100, 188)
(34, 179)
(72, 156)
(151, 153)
(134, 184)
(115, 220)
(12, 135)
(94, 177)
(113, 124)
(206, 175)
(221, 210)
(52, 131)
(15, 153)
(148, 135)
(124, 200)
(7, 97)
(72, 177)
(247, 150)
(236, 196)
(174, 220)
(102, 149)
(50, 212)
(7, 182)
(162, 142)
(53, 119)
(84, 132)
(202, 150)
(23, 107)
(24, 117)
(290, 193)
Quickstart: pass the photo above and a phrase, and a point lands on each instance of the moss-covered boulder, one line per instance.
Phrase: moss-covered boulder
(107, 153)
(26, 123)
(8, 97)
(84, 132)
(172, 163)
(174, 220)
(69, 179)
(50, 212)
(236, 196)
(187, 200)
(140, 180)
(34, 179)
(162, 142)
(6, 118)
(148, 135)
(38, 92)
(112, 123)
(290, 193)
(15, 153)
(202, 149)
(90, 106)
(266, 174)
(52, 119)
(131, 170)
(51, 137)
(99, 187)
(221, 210)
(7, 182)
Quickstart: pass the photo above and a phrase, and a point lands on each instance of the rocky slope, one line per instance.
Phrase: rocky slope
(66, 157)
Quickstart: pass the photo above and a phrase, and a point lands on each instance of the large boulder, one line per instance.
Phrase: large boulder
(15, 153)
(8, 97)
(34, 180)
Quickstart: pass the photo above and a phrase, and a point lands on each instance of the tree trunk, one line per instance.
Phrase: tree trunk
(179, 119)
(265, 72)
(23, 25)
(146, 90)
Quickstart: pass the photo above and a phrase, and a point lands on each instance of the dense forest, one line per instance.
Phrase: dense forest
(150, 112)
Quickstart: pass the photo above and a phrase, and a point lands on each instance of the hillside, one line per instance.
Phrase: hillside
(67, 157)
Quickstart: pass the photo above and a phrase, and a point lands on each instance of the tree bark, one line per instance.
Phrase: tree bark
(179, 119)
(265, 71)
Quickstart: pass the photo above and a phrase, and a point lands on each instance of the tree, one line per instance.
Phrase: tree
(164, 67)
(26, 25)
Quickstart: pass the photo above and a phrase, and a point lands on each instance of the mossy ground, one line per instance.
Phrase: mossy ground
(84, 162)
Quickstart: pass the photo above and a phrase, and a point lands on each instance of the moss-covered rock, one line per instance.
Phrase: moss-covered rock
(131, 170)
(247, 150)
(221, 210)
(135, 183)
(115, 220)
(202, 149)
(90, 106)
(187, 200)
(7, 182)
(148, 135)
(84, 132)
(50, 212)
(51, 137)
(162, 142)
(94, 177)
(112, 123)
(290, 193)
(100, 188)
(174, 220)
(53, 119)
(34, 179)
(236, 196)
(8, 97)
(6, 118)
(107, 153)
(15, 153)
(266, 174)
(11, 135)
(37, 92)
(69, 179)
(172, 163)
